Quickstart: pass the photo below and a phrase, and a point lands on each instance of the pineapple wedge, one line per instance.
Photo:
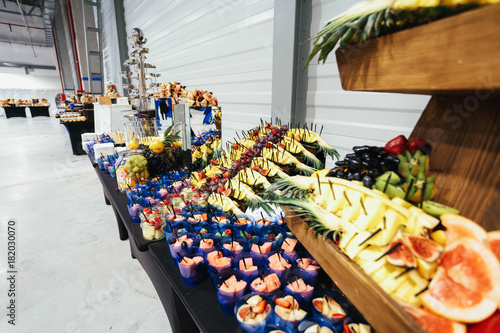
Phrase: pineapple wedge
(389, 224)
(376, 211)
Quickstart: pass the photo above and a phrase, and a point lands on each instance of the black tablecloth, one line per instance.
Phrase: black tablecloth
(39, 111)
(189, 309)
(75, 131)
(15, 111)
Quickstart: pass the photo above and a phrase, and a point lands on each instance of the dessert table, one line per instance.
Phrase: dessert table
(189, 309)
(15, 111)
(75, 131)
(39, 111)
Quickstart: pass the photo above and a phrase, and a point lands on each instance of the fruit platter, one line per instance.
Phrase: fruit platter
(265, 218)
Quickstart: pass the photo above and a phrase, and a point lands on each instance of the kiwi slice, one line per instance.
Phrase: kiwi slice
(392, 191)
(394, 177)
(435, 209)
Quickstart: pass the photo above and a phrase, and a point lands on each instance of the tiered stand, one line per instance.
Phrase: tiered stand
(457, 61)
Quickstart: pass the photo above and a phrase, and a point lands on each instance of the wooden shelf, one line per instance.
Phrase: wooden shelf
(456, 60)
(455, 54)
(378, 308)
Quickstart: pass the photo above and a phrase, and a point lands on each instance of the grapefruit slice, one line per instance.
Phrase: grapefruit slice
(458, 227)
(494, 240)
(453, 301)
(474, 266)
(423, 248)
(431, 322)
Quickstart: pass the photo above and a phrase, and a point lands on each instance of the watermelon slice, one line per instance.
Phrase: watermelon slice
(474, 266)
(431, 322)
(494, 241)
(289, 244)
(455, 302)
(458, 227)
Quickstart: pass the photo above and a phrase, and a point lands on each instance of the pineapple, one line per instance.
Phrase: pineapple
(371, 19)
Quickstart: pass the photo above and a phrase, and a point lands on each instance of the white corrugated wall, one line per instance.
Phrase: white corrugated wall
(354, 118)
(110, 50)
(223, 46)
(226, 46)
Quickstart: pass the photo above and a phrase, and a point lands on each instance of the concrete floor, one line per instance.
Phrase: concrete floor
(73, 272)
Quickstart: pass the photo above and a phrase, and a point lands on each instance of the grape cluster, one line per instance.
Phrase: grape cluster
(274, 136)
(136, 166)
(365, 164)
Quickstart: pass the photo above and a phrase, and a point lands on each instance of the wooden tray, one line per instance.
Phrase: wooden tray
(459, 53)
(378, 308)
(456, 60)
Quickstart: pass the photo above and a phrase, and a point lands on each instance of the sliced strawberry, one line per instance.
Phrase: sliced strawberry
(259, 308)
(201, 175)
(255, 168)
(226, 175)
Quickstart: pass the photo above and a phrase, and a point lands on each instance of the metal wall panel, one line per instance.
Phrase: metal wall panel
(223, 46)
(354, 118)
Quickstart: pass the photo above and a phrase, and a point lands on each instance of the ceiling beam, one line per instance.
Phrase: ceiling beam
(18, 13)
(19, 65)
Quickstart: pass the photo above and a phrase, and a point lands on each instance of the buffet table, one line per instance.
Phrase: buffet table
(75, 131)
(15, 111)
(39, 111)
(189, 309)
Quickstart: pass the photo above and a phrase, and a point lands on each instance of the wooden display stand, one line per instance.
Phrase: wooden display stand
(455, 60)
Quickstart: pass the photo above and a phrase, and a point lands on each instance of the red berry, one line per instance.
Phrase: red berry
(274, 131)
(215, 178)
(201, 175)
(249, 236)
(396, 146)
(235, 146)
(228, 232)
(419, 144)
(226, 174)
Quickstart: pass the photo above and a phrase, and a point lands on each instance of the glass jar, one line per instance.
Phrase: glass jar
(131, 167)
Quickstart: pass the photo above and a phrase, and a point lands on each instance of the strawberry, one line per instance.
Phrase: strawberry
(260, 307)
(282, 302)
(255, 168)
(228, 232)
(255, 133)
(226, 175)
(235, 146)
(274, 131)
(419, 144)
(396, 146)
(215, 178)
(201, 175)
(220, 190)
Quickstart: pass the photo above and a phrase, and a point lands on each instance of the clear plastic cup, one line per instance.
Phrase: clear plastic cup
(289, 318)
(292, 283)
(331, 312)
(192, 265)
(253, 322)
(227, 296)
